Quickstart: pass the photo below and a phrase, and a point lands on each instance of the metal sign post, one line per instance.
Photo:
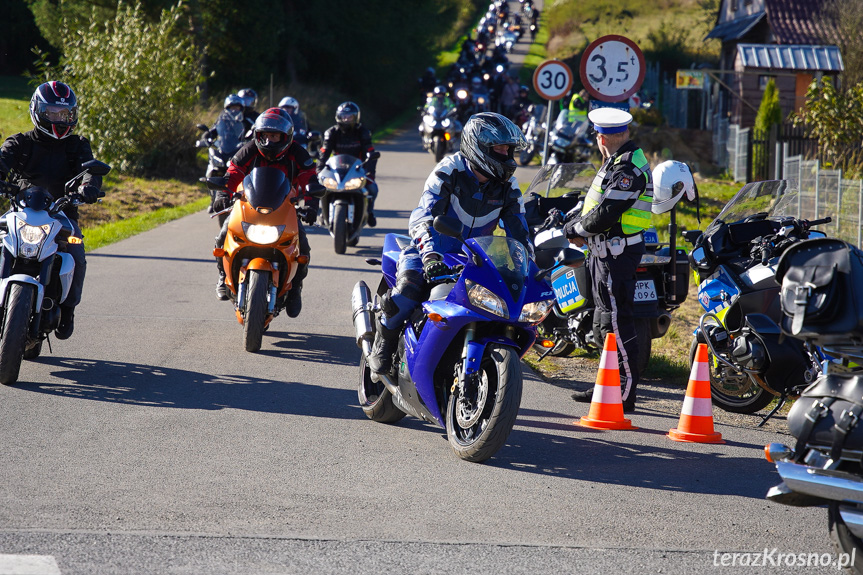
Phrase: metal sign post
(552, 80)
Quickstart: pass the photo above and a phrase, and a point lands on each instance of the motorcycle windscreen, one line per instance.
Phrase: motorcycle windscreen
(553, 181)
(775, 198)
(266, 188)
(343, 163)
(510, 259)
(230, 136)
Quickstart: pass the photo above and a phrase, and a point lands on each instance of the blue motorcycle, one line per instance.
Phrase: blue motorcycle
(457, 363)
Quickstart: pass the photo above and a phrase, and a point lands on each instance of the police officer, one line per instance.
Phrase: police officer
(616, 211)
(578, 106)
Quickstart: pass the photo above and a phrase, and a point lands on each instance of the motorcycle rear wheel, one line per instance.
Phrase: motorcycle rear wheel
(844, 540)
(256, 309)
(19, 304)
(376, 400)
(491, 418)
(748, 399)
(340, 228)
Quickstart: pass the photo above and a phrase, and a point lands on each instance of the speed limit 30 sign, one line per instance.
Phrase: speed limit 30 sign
(552, 80)
(612, 68)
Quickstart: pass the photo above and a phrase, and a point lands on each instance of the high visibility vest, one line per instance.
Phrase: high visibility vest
(637, 217)
(577, 114)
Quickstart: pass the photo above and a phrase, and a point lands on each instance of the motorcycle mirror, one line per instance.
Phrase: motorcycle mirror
(448, 226)
(374, 155)
(318, 191)
(202, 127)
(216, 183)
(691, 235)
(570, 257)
(96, 167)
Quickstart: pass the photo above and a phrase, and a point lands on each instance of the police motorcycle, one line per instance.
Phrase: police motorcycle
(458, 363)
(568, 141)
(534, 133)
(345, 205)
(821, 307)
(440, 128)
(734, 261)
(35, 269)
(661, 279)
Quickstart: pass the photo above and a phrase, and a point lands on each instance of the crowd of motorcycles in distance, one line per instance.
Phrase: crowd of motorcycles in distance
(473, 84)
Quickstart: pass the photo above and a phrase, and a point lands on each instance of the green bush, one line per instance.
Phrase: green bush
(769, 112)
(136, 85)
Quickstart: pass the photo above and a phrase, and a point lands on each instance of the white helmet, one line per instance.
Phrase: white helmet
(670, 181)
(291, 102)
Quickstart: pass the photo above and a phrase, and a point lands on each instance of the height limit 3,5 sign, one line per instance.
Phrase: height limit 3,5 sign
(552, 80)
(612, 68)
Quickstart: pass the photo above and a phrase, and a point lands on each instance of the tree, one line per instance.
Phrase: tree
(769, 112)
(136, 83)
(843, 19)
(836, 119)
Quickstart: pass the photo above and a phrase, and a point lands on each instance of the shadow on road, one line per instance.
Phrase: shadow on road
(156, 386)
(607, 457)
(210, 260)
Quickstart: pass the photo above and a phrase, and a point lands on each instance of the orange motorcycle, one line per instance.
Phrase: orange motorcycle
(261, 252)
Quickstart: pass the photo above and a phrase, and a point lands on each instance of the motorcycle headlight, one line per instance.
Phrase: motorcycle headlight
(536, 311)
(480, 100)
(32, 237)
(484, 299)
(446, 123)
(263, 235)
(354, 183)
(429, 121)
(461, 94)
(330, 184)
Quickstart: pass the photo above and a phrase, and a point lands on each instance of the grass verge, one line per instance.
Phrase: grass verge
(105, 234)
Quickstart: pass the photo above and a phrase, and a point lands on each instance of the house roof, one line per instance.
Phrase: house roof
(734, 29)
(796, 21)
(784, 57)
(790, 22)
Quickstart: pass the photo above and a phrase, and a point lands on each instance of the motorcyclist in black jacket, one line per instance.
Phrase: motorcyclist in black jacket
(349, 136)
(48, 156)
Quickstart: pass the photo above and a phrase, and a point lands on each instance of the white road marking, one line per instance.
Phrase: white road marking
(28, 565)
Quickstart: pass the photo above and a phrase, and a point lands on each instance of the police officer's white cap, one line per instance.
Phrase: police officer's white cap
(609, 120)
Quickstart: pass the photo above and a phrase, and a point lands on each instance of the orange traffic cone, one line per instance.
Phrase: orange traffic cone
(606, 406)
(696, 417)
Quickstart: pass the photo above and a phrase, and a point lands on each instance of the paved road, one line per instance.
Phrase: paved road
(152, 443)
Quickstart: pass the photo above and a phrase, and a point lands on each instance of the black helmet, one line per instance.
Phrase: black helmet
(348, 115)
(249, 96)
(273, 120)
(481, 134)
(54, 109)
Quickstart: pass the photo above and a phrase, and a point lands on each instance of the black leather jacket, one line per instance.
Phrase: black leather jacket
(356, 142)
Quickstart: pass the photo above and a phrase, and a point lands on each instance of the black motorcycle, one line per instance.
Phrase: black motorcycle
(735, 261)
(821, 308)
(345, 207)
(662, 281)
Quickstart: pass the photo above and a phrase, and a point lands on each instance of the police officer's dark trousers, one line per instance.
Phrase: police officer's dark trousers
(613, 282)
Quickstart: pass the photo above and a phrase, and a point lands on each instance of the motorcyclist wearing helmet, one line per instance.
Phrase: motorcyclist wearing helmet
(250, 100)
(272, 146)
(48, 156)
(475, 185)
(292, 106)
(439, 97)
(232, 111)
(350, 137)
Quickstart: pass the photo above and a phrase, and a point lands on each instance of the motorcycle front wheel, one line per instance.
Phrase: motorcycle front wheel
(16, 319)
(439, 148)
(479, 422)
(340, 228)
(734, 393)
(844, 539)
(376, 400)
(256, 309)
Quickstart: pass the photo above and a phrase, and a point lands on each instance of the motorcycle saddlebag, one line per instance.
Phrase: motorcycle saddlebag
(818, 296)
(827, 413)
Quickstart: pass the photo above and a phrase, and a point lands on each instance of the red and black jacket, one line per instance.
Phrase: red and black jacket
(296, 163)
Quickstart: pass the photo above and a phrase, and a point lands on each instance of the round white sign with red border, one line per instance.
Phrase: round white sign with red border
(612, 68)
(552, 80)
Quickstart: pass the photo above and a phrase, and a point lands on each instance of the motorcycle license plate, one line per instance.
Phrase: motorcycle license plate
(645, 290)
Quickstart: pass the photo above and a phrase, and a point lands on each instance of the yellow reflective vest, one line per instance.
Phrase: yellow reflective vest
(637, 217)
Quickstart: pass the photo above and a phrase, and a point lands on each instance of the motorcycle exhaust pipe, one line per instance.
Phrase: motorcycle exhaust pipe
(663, 322)
(365, 333)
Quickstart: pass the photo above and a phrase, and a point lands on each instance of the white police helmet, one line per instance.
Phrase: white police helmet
(671, 180)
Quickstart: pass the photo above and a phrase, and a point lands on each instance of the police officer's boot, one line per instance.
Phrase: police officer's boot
(294, 304)
(67, 322)
(380, 360)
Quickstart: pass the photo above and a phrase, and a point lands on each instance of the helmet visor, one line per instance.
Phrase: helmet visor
(346, 118)
(54, 114)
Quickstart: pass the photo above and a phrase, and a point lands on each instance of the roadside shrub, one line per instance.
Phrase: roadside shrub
(136, 84)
